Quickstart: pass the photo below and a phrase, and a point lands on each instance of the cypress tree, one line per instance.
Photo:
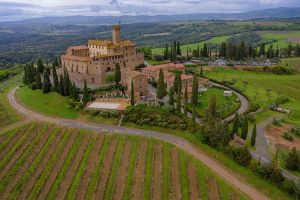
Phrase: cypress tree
(40, 66)
(178, 48)
(74, 91)
(171, 54)
(55, 79)
(205, 51)
(171, 97)
(174, 50)
(195, 87)
(46, 82)
(161, 85)
(132, 101)
(253, 136)
(186, 97)
(30, 74)
(292, 162)
(178, 103)
(85, 97)
(166, 56)
(177, 83)
(25, 75)
(236, 124)
(245, 128)
(201, 71)
(61, 85)
(213, 106)
(38, 82)
(117, 74)
(194, 115)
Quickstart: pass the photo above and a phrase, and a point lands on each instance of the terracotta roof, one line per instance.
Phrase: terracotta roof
(110, 44)
(184, 77)
(155, 68)
(79, 47)
(133, 74)
(77, 58)
(107, 55)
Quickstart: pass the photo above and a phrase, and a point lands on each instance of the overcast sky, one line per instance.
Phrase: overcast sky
(19, 9)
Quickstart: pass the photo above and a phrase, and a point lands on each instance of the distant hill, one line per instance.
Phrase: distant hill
(273, 13)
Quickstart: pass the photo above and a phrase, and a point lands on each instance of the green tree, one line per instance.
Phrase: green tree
(253, 136)
(61, 85)
(205, 52)
(161, 91)
(74, 91)
(177, 83)
(117, 74)
(171, 97)
(66, 83)
(178, 48)
(195, 88)
(213, 106)
(55, 78)
(262, 49)
(166, 53)
(292, 162)
(132, 101)
(46, 82)
(40, 66)
(25, 75)
(201, 71)
(38, 81)
(56, 62)
(86, 96)
(186, 96)
(245, 128)
(236, 124)
(178, 103)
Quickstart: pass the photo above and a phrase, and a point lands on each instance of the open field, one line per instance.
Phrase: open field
(294, 62)
(263, 89)
(194, 46)
(45, 161)
(280, 38)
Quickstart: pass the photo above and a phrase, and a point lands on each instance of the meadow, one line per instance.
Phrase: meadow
(41, 161)
(280, 38)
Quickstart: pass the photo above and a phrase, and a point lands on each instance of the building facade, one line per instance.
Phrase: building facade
(98, 59)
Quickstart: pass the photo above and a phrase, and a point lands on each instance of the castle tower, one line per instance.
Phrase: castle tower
(116, 34)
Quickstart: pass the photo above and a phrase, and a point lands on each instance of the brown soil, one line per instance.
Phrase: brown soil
(27, 163)
(214, 193)
(89, 168)
(12, 142)
(157, 173)
(105, 172)
(20, 151)
(47, 186)
(175, 190)
(30, 183)
(275, 137)
(193, 182)
(137, 191)
(65, 184)
(122, 174)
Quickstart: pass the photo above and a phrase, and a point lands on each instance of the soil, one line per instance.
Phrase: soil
(105, 172)
(122, 174)
(193, 182)
(73, 168)
(137, 192)
(175, 176)
(11, 143)
(157, 173)
(47, 186)
(275, 137)
(89, 168)
(214, 193)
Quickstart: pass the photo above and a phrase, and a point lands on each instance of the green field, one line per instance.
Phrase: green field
(263, 89)
(58, 162)
(281, 38)
(215, 40)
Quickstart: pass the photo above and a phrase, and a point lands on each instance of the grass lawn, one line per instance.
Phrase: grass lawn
(225, 105)
(280, 38)
(214, 40)
(263, 89)
(154, 62)
(294, 62)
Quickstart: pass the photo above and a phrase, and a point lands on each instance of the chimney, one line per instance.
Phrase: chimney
(116, 34)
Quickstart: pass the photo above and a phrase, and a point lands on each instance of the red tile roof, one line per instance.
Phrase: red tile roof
(155, 68)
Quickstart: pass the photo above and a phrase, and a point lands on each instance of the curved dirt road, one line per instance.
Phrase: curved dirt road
(222, 171)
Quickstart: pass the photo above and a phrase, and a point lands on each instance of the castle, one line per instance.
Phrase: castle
(98, 59)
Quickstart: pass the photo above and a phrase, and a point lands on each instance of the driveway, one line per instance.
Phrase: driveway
(214, 165)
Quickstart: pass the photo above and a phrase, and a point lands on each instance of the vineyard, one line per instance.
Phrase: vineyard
(39, 161)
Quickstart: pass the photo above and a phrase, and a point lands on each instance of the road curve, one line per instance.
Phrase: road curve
(214, 165)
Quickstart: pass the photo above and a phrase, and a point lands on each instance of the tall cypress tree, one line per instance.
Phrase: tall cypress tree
(46, 82)
(85, 97)
(174, 50)
(177, 83)
(201, 71)
(166, 55)
(117, 74)
(178, 103)
(55, 79)
(25, 75)
(61, 85)
(292, 162)
(132, 100)
(74, 91)
(171, 97)
(186, 96)
(253, 136)
(245, 128)
(178, 49)
(40, 66)
(38, 82)
(161, 85)
(236, 124)
(195, 87)
(213, 106)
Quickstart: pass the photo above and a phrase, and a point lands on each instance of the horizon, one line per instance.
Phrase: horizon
(16, 10)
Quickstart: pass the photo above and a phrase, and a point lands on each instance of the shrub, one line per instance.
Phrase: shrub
(241, 155)
(288, 136)
(292, 162)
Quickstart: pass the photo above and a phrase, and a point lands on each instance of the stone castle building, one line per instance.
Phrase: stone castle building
(98, 59)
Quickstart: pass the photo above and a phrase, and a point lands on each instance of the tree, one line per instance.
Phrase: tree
(253, 136)
(178, 49)
(201, 71)
(66, 83)
(55, 79)
(213, 106)
(178, 103)
(25, 75)
(205, 51)
(161, 92)
(38, 82)
(132, 101)
(46, 82)
(40, 66)
(244, 128)
(166, 53)
(186, 96)
(74, 91)
(195, 87)
(61, 85)
(292, 162)
(262, 49)
(236, 124)
(117, 74)
(55, 63)
(171, 97)
(85, 97)
(177, 83)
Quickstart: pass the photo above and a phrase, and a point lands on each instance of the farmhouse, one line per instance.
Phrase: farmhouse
(139, 80)
(98, 59)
